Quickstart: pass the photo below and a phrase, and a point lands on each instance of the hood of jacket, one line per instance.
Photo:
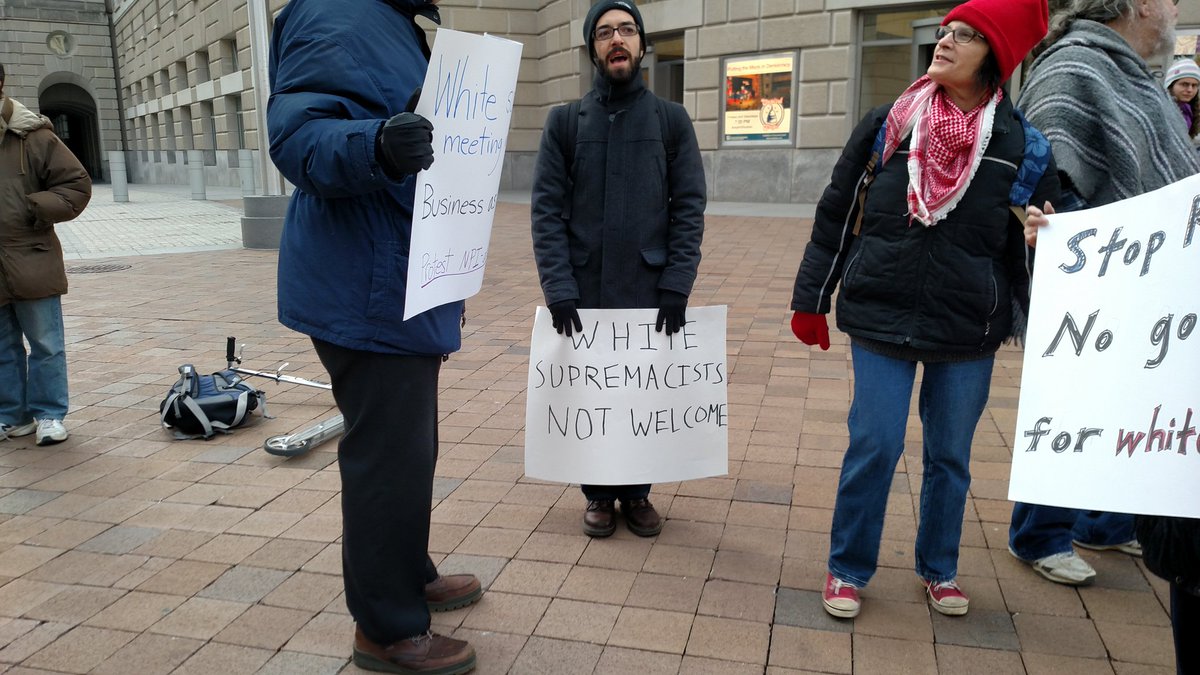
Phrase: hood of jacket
(16, 118)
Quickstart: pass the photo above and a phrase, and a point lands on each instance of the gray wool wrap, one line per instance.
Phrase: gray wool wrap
(1112, 127)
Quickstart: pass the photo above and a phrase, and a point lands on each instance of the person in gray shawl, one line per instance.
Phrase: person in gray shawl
(1115, 134)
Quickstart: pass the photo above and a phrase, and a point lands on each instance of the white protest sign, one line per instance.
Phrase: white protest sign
(1109, 395)
(622, 404)
(468, 95)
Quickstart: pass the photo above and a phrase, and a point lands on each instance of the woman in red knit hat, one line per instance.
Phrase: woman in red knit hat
(933, 272)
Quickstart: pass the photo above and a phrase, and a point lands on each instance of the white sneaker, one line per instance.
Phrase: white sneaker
(1131, 547)
(1062, 568)
(17, 430)
(50, 432)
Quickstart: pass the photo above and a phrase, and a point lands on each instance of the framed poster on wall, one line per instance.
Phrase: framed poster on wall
(759, 106)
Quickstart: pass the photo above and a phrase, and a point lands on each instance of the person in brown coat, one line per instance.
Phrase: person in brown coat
(41, 183)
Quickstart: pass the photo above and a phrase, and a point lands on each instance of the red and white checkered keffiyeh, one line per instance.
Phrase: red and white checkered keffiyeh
(946, 148)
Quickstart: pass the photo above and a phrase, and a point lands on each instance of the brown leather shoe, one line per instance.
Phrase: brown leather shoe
(451, 591)
(641, 517)
(428, 654)
(600, 519)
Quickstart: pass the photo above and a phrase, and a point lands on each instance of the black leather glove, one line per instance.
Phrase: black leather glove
(404, 144)
(565, 316)
(671, 308)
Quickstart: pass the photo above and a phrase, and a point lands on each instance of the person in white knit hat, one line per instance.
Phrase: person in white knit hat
(1183, 82)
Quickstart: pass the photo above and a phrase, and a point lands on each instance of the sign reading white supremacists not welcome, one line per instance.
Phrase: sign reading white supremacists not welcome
(468, 95)
(1110, 400)
(622, 404)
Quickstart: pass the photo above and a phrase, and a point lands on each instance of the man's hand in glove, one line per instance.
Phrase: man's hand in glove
(404, 144)
(671, 309)
(565, 316)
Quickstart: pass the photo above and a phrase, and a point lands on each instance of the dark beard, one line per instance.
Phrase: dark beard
(635, 66)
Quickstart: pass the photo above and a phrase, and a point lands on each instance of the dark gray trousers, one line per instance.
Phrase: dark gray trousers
(386, 457)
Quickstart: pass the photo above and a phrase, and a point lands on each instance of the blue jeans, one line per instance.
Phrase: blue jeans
(952, 399)
(32, 385)
(1037, 531)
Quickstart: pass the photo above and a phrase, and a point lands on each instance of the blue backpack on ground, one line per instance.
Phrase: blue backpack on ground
(1029, 174)
(201, 406)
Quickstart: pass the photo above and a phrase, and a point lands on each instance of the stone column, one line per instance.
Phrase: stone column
(195, 160)
(262, 222)
(246, 171)
(117, 175)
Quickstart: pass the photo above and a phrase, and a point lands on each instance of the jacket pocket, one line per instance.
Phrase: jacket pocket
(388, 271)
(34, 271)
(655, 257)
(851, 272)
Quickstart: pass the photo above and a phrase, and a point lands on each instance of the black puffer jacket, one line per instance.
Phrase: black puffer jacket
(946, 288)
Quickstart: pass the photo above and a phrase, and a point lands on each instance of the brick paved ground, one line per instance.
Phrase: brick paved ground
(124, 551)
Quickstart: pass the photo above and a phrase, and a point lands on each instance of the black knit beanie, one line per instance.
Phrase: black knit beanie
(598, 10)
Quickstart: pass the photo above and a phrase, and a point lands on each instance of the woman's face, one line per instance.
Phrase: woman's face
(1184, 89)
(956, 65)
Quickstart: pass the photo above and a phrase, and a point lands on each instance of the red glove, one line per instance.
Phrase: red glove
(811, 329)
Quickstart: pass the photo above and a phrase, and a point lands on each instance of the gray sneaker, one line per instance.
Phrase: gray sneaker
(50, 432)
(1131, 547)
(1062, 568)
(17, 430)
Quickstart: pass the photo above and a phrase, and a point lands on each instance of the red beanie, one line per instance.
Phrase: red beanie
(1011, 27)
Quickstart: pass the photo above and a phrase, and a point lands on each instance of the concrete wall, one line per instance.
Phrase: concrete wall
(184, 65)
(32, 65)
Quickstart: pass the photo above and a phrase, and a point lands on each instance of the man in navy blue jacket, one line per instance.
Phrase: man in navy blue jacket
(343, 78)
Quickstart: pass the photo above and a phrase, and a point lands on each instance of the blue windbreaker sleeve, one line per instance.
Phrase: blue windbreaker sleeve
(322, 118)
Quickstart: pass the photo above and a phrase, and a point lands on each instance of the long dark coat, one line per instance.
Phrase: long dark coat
(621, 225)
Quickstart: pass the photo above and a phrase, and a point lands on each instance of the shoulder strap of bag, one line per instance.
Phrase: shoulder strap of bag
(1033, 166)
(571, 136)
(234, 383)
(182, 395)
(869, 175)
(664, 122)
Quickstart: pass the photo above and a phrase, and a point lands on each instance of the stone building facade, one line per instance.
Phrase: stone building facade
(774, 86)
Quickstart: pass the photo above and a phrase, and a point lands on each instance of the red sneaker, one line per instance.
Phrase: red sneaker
(946, 597)
(840, 598)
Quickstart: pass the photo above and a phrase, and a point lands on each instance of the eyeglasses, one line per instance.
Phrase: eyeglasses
(605, 33)
(962, 36)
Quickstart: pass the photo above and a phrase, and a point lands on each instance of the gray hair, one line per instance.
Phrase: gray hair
(1100, 11)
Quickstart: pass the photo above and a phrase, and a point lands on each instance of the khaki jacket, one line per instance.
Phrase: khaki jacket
(41, 183)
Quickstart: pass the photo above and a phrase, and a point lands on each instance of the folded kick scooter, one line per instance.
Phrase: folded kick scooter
(304, 440)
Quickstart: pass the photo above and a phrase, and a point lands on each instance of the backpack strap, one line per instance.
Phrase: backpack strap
(571, 137)
(572, 134)
(234, 382)
(183, 394)
(869, 175)
(1033, 166)
(664, 123)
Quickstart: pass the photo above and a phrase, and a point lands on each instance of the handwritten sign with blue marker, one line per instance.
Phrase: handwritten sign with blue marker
(621, 404)
(468, 95)
(1110, 401)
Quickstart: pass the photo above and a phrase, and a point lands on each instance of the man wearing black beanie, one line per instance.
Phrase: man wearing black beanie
(618, 212)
